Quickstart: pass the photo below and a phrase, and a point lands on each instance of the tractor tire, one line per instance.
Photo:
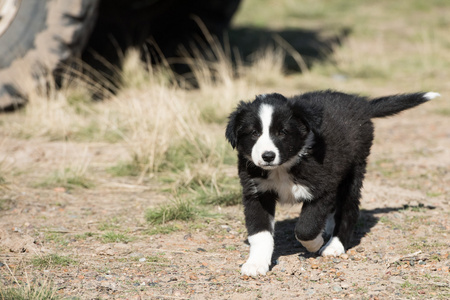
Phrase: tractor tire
(36, 38)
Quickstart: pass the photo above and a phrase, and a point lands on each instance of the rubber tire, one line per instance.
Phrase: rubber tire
(43, 35)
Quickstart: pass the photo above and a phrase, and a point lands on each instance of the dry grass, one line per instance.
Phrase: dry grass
(168, 130)
(174, 132)
(74, 174)
(26, 289)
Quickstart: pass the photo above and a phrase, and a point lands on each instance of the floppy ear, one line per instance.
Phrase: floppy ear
(309, 114)
(233, 127)
(231, 132)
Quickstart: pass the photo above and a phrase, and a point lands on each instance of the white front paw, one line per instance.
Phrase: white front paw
(254, 268)
(334, 247)
(261, 249)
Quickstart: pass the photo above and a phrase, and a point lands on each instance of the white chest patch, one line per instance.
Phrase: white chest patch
(280, 181)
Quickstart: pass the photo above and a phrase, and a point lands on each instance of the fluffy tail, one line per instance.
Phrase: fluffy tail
(391, 105)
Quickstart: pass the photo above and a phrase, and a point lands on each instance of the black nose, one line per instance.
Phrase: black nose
(268, 156)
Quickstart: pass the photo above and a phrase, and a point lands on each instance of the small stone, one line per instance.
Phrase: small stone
(193, 277)
(344, 256)
(337, 288)
(360, 249)
(226, 227)
(110, 252)
(142, 259)
(314, 266)
(104, 250)
(201, 250)
(204, 265)
(390, 289)
(397, 280)
(351, 252)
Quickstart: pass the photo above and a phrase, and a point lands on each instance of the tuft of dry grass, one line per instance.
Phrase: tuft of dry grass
(26, 289)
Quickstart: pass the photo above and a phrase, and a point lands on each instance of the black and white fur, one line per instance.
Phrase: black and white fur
(310, 148)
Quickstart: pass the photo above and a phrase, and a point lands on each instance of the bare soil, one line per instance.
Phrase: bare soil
(400, 247)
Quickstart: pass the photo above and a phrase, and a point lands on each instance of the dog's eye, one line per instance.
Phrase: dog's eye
(255, 133)
(282, 132)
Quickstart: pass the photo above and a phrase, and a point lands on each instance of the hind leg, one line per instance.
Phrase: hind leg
(347, 212)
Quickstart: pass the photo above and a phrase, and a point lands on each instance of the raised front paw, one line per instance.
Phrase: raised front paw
(334, 247)
(254, 269)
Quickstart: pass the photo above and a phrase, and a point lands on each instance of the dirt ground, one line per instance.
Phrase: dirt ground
(400, 248)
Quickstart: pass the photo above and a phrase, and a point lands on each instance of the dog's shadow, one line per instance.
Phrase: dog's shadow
(287, 244)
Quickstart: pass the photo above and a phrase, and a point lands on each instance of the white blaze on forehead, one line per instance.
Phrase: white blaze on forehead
(264, 142)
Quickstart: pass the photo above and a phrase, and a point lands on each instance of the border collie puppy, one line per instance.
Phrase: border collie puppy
(310, 148)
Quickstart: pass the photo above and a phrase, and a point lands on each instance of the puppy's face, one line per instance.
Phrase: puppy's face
(266, 131)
